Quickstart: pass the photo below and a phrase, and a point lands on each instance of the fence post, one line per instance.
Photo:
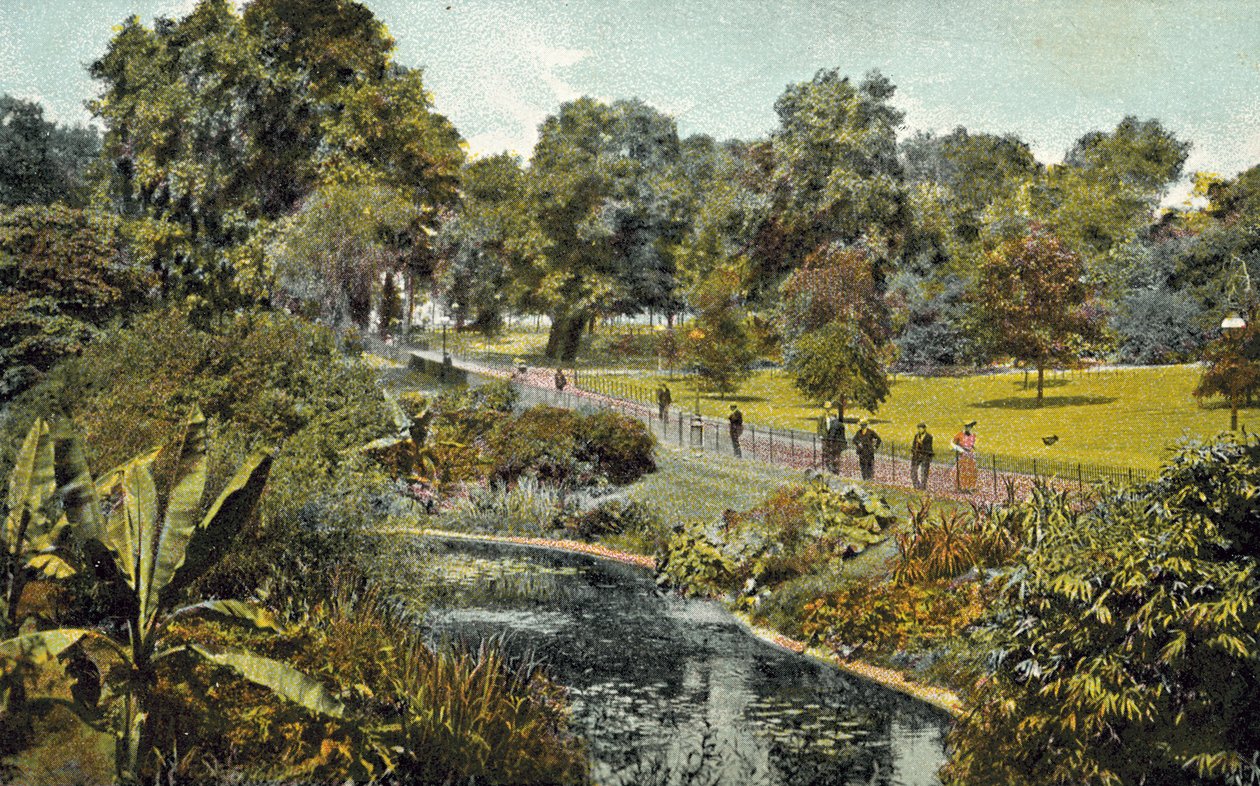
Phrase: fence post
(1034, 469)
(1080, 482)
(813, 444)
(752, 440)
(993, 461)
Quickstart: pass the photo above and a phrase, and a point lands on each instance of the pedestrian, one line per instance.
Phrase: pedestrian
(964, 446)
(736, 419)
(663, 400)
(831, 427)
(865, 443)
(560, 379)
(920, 457)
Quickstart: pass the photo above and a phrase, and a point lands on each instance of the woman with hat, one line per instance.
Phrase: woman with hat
(964, 445)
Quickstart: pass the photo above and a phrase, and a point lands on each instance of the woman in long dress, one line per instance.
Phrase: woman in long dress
(964, 444)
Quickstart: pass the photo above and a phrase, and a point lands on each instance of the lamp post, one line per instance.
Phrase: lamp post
(1233, 325)
(445, 357)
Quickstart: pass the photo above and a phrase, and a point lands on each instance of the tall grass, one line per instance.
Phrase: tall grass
(526, 508)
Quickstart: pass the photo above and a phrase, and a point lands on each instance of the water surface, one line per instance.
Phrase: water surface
(668, 690)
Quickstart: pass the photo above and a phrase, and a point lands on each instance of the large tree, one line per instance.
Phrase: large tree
(606, 213)
(1031, 302)
(219, 123)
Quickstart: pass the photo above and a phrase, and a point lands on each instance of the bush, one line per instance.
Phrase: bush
(542, 441)
(1158, 326)
(794, 531)
(612, 517)
(620, 446)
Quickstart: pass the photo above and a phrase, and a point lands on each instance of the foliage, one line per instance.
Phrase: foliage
(64, 276)
(1233, 365)
(611, 517)
(29, 540)
(157, 545)
(839, 364)
(620, 446)
(790, 533)
(717, 343)
(1031, 303)
(43, 162)
(875, 618)
(1123, 643)
(956, 542)
(527, 508)
(1157, 326)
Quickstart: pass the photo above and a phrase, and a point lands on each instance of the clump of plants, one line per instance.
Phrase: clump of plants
(610, 517)
(796, 530)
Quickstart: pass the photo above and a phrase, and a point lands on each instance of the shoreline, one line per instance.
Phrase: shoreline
(941, 698)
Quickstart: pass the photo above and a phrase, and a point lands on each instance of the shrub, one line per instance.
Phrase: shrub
(612, 517)
(955, 542)
(620, 446)
(528, 508)
(542, 441)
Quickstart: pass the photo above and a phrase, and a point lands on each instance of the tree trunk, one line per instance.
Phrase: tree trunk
(1041, 379)
(565, 336)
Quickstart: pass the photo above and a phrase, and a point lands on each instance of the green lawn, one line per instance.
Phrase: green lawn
(1123, 418)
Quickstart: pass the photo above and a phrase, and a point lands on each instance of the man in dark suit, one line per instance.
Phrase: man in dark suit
(865, 443)
(920, 457)
(736, 421)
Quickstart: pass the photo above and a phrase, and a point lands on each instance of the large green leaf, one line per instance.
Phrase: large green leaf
(79, 500)
(130, 526)
(42, 644)
(158, 567)
(225, 518)
(31, 482)
(235, 611)
(279, 678)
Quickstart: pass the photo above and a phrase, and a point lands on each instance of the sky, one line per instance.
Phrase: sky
(1045, 70)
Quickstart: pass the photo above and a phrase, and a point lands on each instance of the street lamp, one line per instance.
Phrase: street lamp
(446, 359)
(1232, 325)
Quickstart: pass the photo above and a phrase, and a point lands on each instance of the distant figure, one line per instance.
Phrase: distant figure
(736, 419)
(663, 400)
(831, 428)
(865, 443)
(920, 457)
(964, 445)
(561, 381)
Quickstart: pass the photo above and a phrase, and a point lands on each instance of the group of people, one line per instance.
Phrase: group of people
(866, 441)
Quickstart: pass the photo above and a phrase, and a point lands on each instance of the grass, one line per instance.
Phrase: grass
(1124, 417)
(608, 348)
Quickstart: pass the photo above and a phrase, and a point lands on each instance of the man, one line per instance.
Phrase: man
(865, 443)
(736, 419)
(663, 400)
(831, 427)
(920, 457)
(560, 379)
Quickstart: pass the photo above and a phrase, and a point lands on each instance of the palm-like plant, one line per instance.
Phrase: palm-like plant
(32, 524)
(151, 548)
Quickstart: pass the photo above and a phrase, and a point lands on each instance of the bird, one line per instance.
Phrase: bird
(1050, 440)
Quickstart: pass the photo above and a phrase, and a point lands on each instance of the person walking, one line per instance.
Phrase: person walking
(964, 445)
(920, 457)
(561, 381)
(736, 420)
(663, 400)
(865, 443)
(831, 428)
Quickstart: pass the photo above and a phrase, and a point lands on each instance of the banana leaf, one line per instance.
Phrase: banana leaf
(280, 678)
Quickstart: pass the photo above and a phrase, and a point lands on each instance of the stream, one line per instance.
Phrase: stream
(668, 690)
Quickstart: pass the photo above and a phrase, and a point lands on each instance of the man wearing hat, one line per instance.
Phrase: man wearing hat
(920, 457)
(736, 420)
(831, 428)
(964, 445)
(865, 443)
(663, 400)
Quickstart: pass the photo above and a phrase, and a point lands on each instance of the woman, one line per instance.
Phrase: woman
(964, 445)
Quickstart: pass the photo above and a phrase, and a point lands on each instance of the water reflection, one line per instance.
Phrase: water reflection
(668, 690)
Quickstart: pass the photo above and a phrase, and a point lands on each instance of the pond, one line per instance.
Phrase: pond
(668, 690)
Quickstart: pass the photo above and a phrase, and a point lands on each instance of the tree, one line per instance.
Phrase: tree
(601, 199)
(717, 341)
(838, 363)
(63, 277)
(1030, 303)
(1122, 644)
(43, 162)
(333, 251)
(1233, 368)
(836, 176)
